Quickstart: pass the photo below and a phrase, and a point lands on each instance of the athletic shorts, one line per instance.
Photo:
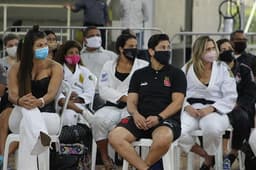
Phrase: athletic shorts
(128, 123)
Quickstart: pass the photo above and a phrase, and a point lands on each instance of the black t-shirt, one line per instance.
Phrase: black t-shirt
(155, 89)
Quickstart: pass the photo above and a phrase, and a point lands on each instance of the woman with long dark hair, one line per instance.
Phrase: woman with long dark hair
(33, 84)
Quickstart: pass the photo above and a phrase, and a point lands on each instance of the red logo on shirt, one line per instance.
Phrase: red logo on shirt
(124, 120)
(167, 82)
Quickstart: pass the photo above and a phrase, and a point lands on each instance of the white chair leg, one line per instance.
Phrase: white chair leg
(125, 165)
(94, 155)
(168, 159)
(219, 156)
(10, 138)
(190, 157)
(175, 156)
(44, 160)
(176, 164)
(241, 158)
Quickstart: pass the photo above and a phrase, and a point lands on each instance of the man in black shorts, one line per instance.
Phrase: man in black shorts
(155, 99)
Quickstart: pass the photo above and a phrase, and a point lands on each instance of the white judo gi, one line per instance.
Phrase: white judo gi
(95, 60)
(28, 124)
(112, 89)
(252, 141)
(82, 82)
(222, 90)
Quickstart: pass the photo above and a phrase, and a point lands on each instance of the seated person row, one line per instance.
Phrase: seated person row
(33, 83)
(211, 94)
(113, 87)
(155, 98)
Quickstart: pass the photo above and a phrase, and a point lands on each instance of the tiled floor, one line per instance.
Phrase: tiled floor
(183, 165)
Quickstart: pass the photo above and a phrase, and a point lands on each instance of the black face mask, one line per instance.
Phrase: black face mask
(163, 57)
(227, 56)
(130, 53)
(240, 46)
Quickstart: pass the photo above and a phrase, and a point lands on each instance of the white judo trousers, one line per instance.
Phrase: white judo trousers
(212, 126)
(252, 141)
(105, 119)
(222, 91)
(28, 124)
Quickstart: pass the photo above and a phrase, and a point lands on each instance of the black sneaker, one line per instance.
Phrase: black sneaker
(157, 166)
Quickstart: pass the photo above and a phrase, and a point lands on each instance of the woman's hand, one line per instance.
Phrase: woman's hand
(192, 111)
(205, 111)
(29, 101)
(140, 121)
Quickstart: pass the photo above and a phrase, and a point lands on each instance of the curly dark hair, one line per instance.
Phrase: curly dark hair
(62, 51)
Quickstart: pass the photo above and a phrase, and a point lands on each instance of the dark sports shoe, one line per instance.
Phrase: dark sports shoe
(157, 166)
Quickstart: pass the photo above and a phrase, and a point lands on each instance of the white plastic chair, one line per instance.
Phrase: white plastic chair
(54, 138)
(94, 145)
(170, 159)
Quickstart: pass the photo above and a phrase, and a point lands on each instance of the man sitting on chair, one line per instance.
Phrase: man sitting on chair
(155, 98)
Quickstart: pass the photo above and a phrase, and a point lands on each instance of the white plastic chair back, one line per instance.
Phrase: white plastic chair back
(66, 90)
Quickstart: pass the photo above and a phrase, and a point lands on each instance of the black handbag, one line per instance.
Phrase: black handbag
(71, 157)
(75, 134)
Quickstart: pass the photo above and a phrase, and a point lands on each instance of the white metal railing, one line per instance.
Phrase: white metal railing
(48, 6)
(69, 31)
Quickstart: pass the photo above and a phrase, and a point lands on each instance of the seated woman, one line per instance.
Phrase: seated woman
(5, 105)
(2, 90)
(80, 79)
(240, 116)
(113, 87)
(52, 43)
(33, 83)
(211, 94)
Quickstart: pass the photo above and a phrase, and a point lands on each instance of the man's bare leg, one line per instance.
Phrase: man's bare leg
(121, 139)
(162, 138)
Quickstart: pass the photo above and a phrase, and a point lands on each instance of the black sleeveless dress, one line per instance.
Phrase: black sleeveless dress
(39, 88)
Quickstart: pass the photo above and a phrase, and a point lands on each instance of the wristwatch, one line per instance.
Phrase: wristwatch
(160, 118)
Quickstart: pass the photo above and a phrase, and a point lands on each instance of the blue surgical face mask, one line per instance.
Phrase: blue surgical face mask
(41, 53)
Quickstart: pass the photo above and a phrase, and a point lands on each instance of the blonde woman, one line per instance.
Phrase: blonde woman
(211, 94)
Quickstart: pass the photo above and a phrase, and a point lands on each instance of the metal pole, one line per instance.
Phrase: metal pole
(5, 18)
(248, 24)
(242, 13)
(68, 23)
